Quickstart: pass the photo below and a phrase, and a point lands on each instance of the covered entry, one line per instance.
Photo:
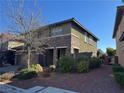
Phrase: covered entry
(61, 52)
(51, 56)
(46, 59)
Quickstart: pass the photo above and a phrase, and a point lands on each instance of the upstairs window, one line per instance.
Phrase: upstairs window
(56, 31)
(85, 37)
(90, 41)
(122, 37)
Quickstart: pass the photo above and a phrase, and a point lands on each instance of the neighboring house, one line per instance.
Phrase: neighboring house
(65, 38)
(119, 34)
(8, 47)
(9, 42)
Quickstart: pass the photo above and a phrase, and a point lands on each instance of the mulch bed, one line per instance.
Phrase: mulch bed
(96, 81)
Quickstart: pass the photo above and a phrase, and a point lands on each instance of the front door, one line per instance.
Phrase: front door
(61, 52)
(49, 57)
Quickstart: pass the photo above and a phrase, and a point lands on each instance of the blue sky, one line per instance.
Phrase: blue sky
(96, 15)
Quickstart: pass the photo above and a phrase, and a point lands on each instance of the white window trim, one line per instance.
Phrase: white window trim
(56, 47)
(85, 37)
(62, 47)
(59, 35)
(49, 48)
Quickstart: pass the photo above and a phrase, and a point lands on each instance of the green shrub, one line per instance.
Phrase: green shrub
(117, 68)
(66, 63)
(37, 67)
(27, 74)
(94, 62)
(119, 76)
(82, 66)
(115, 64)
(83, 58)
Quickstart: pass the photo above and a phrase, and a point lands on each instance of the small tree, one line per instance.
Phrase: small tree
(1, 49)
(110, 51)
(24, 23)
(1, 41)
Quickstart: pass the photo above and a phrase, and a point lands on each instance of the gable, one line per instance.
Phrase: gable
(83, 31)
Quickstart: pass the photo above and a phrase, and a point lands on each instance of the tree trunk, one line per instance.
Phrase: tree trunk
(29, 57)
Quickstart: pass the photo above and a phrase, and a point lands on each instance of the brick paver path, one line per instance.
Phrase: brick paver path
(97, 81)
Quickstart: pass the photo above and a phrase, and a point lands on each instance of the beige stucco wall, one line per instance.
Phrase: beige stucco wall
(10, 44)
(120, 45)
(14, 44)
(77, 41)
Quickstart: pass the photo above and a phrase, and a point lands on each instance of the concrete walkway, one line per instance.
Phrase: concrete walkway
(5, 88)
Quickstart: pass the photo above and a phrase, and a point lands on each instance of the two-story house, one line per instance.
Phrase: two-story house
(65, 38)
(119, 34)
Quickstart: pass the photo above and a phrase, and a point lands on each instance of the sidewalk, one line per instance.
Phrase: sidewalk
(5, 88)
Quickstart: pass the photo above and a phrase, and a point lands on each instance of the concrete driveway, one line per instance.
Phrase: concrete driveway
(9, 68)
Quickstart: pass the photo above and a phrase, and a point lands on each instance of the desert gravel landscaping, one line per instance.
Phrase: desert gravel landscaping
(98, 80)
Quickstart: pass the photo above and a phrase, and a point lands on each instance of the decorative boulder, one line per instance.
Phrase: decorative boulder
(52, 66)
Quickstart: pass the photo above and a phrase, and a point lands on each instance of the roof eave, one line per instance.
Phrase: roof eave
(118, 17)
(85, 29)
